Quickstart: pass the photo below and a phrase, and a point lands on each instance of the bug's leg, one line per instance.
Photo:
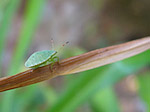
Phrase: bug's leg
(51, 65)
(57, 58)
(52, 61)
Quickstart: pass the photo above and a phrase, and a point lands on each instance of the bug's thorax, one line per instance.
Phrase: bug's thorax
(54, 54)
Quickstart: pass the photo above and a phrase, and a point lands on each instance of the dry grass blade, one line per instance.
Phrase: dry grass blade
(76, 64)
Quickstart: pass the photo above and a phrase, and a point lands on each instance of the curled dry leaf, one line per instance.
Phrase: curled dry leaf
(76, 64)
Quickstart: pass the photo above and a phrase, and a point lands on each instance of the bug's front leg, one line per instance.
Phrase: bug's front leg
(57, 58)
(51, 61)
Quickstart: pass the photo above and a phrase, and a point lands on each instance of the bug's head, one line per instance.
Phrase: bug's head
(56, 52)
(63, 46)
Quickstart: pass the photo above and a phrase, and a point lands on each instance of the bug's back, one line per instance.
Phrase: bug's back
(39, 58)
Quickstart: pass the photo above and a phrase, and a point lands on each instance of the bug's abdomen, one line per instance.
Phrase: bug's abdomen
(38, 58)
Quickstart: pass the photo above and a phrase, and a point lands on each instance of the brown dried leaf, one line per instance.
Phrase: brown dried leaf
(76, 64)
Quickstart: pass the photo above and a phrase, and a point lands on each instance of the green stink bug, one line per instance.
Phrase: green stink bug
(41, 58)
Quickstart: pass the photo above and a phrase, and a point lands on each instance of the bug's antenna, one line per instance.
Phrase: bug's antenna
(52, 43)
(63, 45)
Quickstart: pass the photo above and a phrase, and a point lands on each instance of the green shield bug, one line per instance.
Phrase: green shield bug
(42, 58)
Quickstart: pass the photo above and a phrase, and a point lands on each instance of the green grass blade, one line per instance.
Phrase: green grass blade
(24, 99)
(31, 20)
(49, 94)
(97, 79)
(34, 97)
(105, 101)
(5, 23)
(144, 89)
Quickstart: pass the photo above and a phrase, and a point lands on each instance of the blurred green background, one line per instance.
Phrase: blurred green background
(27, 26)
